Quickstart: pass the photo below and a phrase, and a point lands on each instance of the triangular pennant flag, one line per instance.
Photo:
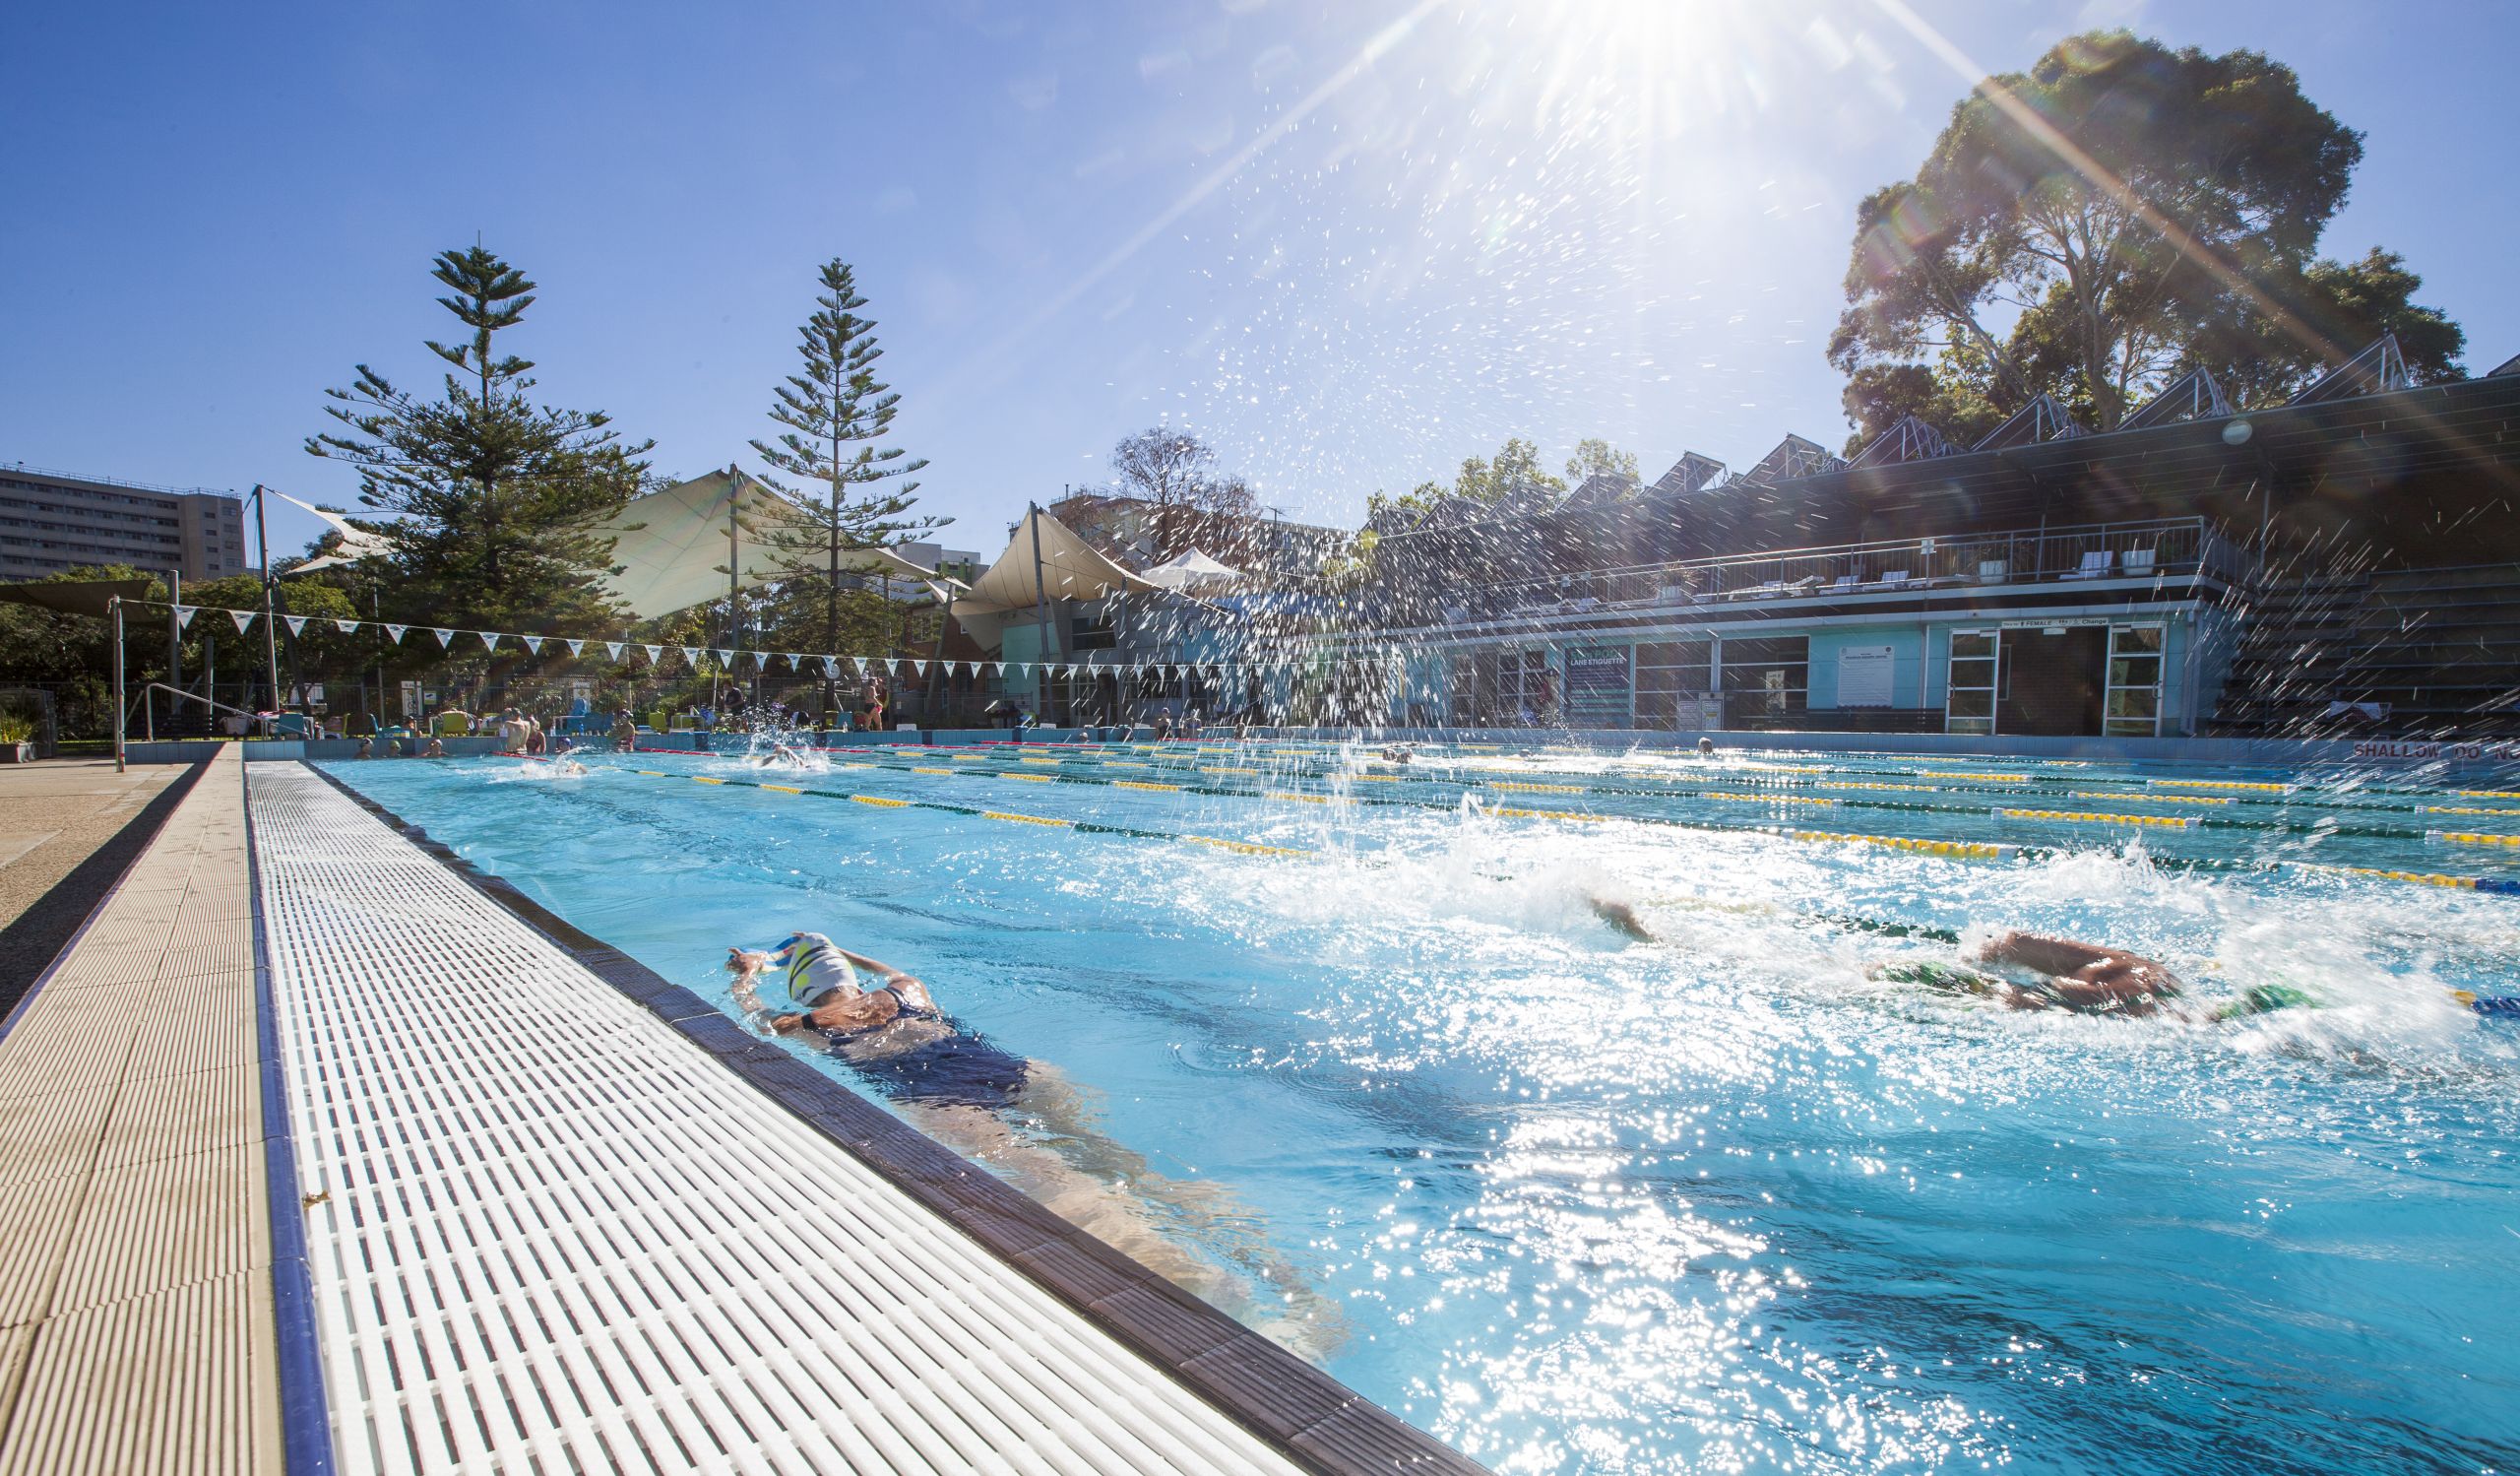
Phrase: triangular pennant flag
(655, 655)
(244, 620)
(726, 658)
(831, 667)
(920, 666)
(346, 627)
(489, 639)
(796, 661)
(861, 664)
(533, 644)
(395, 633)
(184, 615)
(296, 624)
(997, 669)
(576, 648)
(445, 638)
(615, 647)
(692, 654)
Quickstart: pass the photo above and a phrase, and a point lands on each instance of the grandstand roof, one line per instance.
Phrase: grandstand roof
(2410, 471)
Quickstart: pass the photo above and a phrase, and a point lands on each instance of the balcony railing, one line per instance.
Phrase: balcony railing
(2162, 549)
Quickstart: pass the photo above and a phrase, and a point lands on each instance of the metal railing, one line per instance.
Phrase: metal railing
(2160, 548)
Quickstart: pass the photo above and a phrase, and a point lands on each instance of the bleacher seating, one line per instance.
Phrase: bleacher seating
(2417, 654)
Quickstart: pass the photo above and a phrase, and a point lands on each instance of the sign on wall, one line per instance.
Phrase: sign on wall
(1597, 681)
(410, 702)
(1863, 675)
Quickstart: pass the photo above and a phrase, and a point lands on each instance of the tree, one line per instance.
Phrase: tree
(1513, 473)
(2121, 205)
(2346, 304)
(835, 413)
(1176, 472)
(1594, 457)
(496, 496)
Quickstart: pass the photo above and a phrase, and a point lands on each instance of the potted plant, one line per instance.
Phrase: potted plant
(17, 739)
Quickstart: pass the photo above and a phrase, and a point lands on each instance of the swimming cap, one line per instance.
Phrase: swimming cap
(815, 968)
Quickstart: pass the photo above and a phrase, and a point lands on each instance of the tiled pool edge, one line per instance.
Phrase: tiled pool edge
(305, 1414)
(1312, 1417)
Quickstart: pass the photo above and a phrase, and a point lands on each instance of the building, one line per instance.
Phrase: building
(2346, 562)
(50, 521)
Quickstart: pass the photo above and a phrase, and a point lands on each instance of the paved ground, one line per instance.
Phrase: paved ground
(65, 835)
(137, 1325)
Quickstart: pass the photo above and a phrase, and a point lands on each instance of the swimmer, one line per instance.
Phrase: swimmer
(1619, 916)
(2049, 972)
(1398, 753)
(1022, 1118)
(435, 749)
(1706, 747)
(569, 769)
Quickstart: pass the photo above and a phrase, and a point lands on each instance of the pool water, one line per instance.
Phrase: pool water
(1573, 1202)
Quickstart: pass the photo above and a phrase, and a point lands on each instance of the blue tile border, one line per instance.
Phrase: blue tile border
(305, 1414)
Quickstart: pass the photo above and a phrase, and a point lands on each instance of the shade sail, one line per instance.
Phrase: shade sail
(1046, 561)
(75, 596)
(356, 542)
(1192, 571)
(675, 545)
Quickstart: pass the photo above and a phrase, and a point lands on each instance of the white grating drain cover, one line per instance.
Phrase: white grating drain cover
(551, 1235)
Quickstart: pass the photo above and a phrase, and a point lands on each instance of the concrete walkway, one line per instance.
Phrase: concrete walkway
(136, 1324)
(60, 823)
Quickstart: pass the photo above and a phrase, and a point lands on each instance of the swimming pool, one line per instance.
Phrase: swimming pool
(1349, 1045)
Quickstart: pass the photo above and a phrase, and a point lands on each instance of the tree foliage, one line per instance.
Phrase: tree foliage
(1191, 501)
(1513, 473)
(495, 497)
(1594, 457)
(848, 487)
(2098, 225)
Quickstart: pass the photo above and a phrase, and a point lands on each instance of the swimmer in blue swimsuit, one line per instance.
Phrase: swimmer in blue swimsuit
(893, 1032)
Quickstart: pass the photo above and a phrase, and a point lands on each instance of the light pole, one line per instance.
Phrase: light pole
(271, 642)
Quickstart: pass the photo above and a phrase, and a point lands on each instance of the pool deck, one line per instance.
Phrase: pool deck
(400, 1173)
(137, 1327)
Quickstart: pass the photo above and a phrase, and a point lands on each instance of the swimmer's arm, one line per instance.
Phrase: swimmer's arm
(909, 985)
(2048, 955)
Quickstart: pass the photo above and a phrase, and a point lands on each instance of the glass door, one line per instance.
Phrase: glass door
(2134, 695)
(1969, 698)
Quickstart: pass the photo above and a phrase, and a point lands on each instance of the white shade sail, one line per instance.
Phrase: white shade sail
(1192, 571)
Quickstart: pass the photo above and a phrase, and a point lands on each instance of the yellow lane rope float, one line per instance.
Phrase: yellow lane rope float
(2151, 799)
(1972, 850)
(2084, 817)
(2220, 783)
(2471, 838)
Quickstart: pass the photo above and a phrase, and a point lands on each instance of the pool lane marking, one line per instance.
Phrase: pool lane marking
(2465, 809)
(2472, 838)
(2220, 783)
(1021, 819)
(1972, 850)
(2151, 799)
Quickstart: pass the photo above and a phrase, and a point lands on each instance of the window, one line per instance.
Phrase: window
(1968, 703)
(2134, 696)
(1666, 673)
(1767, 677)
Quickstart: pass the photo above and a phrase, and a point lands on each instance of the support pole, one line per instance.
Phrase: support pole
(174, 637)
(113, 607)
(1041, 610)
(271, 642)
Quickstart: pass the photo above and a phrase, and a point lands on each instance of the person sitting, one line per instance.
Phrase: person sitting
(1162, 727)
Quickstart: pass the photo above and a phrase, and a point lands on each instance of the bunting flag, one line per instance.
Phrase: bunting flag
(615, 647)
(692, 654)
(244, 620)
(533, 644)
(445, 638)
(296, 624)
(489, 639)
(831, 667)
(184, 615)
(920, 666)
(726, 658)
(346, 627)
(655, 655)
(997, 669)
(395, 633)
(861, 664)
(576, 648)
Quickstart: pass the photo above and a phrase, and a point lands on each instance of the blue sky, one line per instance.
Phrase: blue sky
(1349, 241)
